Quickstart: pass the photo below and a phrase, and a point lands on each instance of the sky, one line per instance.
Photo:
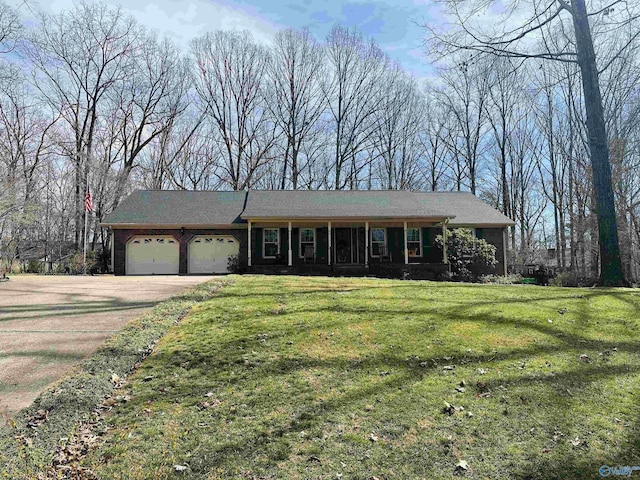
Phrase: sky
(394, 24)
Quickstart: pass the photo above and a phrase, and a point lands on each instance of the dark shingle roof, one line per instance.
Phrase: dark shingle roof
(178, 207)
(340, 203)
(468, 209)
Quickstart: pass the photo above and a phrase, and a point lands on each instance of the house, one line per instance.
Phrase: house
(386, 232)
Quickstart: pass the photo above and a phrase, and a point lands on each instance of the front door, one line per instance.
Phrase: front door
(345, 243)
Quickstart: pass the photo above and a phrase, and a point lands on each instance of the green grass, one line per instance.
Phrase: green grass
(296, 378)
(29, 439)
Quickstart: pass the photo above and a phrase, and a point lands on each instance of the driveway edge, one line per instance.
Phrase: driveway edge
(29, 440)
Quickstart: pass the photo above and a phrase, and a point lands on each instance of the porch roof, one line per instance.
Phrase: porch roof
(341, 204)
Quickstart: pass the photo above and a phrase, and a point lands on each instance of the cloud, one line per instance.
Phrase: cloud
(184, 20)
(390, 22)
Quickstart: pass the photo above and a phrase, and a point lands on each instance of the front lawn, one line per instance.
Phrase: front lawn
(296, 378)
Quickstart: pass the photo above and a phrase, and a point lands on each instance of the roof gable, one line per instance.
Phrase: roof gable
(467, 209)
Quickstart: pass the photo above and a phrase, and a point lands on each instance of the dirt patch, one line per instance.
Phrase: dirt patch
(48, 324)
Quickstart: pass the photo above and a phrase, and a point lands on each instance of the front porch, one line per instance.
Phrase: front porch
(393, 249)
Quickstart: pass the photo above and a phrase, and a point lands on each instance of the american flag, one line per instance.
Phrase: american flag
(88, 200)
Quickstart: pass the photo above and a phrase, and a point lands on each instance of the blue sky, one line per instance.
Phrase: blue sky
(392, 23)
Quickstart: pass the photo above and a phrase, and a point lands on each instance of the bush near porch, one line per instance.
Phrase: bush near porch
(470, 257)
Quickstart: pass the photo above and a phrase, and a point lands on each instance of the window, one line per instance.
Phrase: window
(378, 239)
(270, 242)
(414, 242)
(307, 239)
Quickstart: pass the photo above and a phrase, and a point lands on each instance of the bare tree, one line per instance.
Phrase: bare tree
(352, 93)
(24, 145)
(396, 127)
(10, 27)
(294, 96)
(78, 56)
(229, 80)
(509, 43)
(466, 97)
(147, 103)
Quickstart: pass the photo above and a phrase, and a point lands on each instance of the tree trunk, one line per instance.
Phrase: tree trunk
(611, 267)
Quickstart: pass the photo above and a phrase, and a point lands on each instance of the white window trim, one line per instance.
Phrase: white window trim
(384, 229)
(315, 236)
(420, 247)
(264, 242)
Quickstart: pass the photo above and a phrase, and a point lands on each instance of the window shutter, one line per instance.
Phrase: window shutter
(426, 241)
(321, 242)
(284, 242)
(257, 244)
(295, 243)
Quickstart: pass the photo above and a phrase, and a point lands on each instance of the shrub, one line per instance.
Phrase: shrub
(510, 279)
(75, 266)
(234, 265)
(33, 266)
(469, 257)
(570, 279)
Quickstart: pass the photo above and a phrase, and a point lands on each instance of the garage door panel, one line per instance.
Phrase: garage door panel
(158, 255)
(210, 254)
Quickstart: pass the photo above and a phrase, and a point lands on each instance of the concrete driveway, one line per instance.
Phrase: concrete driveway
(50, 323)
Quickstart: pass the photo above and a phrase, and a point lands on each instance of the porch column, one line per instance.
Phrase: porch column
(444, 242)
(249, 243)
(406, 251)
(290, 252)
(113, 252)
(329, 243)
(366, 244)
(505, 239)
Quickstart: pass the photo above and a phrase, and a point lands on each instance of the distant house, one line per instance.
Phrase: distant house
(388, 233)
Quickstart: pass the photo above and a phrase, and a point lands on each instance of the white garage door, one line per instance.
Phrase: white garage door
(210, 253)
(153, 256)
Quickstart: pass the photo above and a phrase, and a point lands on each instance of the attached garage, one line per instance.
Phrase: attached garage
(153, 255)
(210, 253)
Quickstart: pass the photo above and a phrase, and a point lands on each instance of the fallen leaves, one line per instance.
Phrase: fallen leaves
(38, 418)
(205, 404)
(451, 409)
(462, 466)
(585, 358)
(70, 452)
